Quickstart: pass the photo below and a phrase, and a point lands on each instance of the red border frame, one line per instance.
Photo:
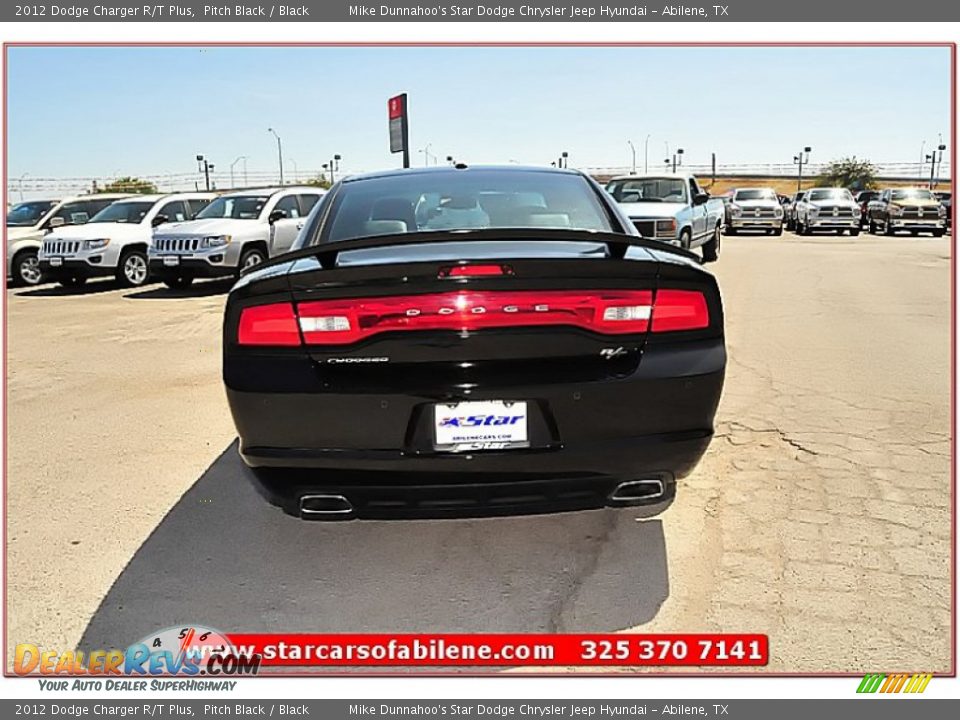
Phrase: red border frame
(652, 673)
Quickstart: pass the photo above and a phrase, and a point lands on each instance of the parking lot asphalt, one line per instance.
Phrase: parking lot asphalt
(821, 514)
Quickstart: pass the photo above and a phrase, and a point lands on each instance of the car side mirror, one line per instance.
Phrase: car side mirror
(159, 220)
(57, 222)
(701, 198)
(276, 215)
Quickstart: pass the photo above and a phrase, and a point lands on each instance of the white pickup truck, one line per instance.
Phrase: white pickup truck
(672, 208)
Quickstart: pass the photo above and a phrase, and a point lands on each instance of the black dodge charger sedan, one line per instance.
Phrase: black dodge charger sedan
(465, 341)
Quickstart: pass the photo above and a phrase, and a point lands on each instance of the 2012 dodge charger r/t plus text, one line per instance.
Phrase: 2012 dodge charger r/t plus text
(472, 340)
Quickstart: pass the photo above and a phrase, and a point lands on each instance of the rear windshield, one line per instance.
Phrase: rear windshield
(123, 212)
(829, 194)
(756, 195)
(464, 200)
(238, 207)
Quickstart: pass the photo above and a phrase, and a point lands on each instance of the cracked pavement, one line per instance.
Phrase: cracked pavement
(820, 515)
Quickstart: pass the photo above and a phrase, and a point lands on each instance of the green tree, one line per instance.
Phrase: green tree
(849, 173)
(319, 181)
(130, 185)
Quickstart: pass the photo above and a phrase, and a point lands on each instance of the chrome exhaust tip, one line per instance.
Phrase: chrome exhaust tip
(638, 491)
(319, 507)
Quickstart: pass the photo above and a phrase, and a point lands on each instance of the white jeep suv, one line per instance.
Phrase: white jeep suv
(236, 231)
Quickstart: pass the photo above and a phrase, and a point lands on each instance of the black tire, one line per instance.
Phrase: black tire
(26, 269)
(802, 229)
(938, 232)
(177, 282)
(854, 232)
(72, 281)
(728, 230)
(872, 226)
(711, 249)
(133, 269)
(684, 240)
(777, 232)
(888, 228)
(791, 225)
(915, 233)
(250, 258)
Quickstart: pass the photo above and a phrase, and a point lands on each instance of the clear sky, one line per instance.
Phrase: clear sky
(88, 112)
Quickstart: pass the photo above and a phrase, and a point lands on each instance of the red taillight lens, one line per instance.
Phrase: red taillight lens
(268, 325)
(679, 310)
(342, 322)
(337, 322)
(475, 271)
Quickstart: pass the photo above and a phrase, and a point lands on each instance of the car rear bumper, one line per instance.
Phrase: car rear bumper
(655, 422)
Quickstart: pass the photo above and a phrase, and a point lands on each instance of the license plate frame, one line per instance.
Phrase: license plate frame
(170, 260)
(56, 261)
(474, 425)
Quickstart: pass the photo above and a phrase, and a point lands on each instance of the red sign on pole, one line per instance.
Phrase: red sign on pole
(399, 132)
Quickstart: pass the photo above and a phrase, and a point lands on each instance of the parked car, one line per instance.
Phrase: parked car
(236, 231)
(946, 199)
(673, 208)
(29, 222)
(115, 241)
(915, 210)
(509, 339)
(790, 210)
(755, 209)
(827, 209)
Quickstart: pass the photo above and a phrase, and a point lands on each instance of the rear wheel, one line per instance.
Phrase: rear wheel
(133, 270)
(26, 268)
(711, 250)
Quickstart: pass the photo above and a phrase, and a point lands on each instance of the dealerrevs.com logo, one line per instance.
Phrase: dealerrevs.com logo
(895, 683)
(179, 651)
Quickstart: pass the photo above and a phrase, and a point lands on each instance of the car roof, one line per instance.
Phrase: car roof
(274, 190)
(739, 189)
(452, 170)
(652, 176)
(97, 196)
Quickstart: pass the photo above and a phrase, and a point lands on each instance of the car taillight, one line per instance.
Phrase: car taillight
(679, 310)
(268, 325)
(475, 271)
(342, 322)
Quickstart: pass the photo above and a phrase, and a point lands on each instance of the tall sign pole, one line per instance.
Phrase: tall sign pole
(399, 127)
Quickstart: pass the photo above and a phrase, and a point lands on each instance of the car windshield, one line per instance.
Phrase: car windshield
(911, 194)
(463, 200)
(648, 190)
(756, 195)
(26, 214)
(829, 194)
(238, 207)
(123, 212)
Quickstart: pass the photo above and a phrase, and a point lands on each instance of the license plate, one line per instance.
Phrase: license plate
(56, 262)
(174, 260)
(484, 425)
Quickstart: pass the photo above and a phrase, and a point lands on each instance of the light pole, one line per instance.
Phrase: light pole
(21, 185)
(279, 152)
(934, 162)
(920, 164)
(296, 170)
(800, 159)
(334, 167)
(564, 163)
(244, 158)
(633, 153)
(426, 154)
(646, 148)
(677, 159)
(207, 169)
